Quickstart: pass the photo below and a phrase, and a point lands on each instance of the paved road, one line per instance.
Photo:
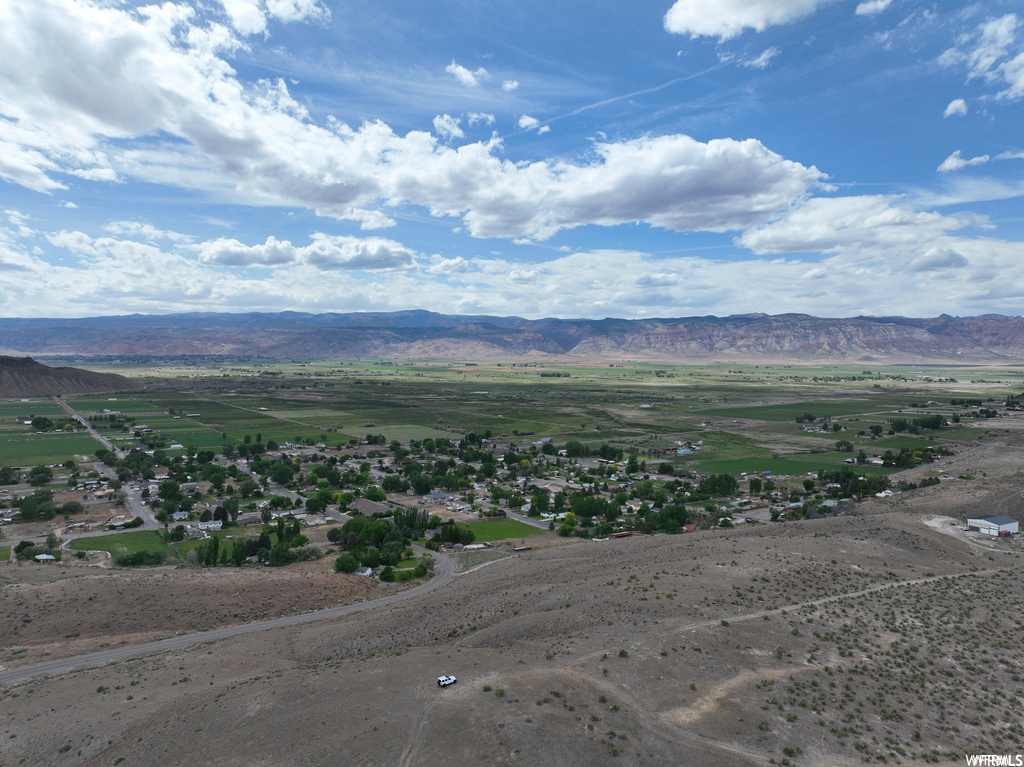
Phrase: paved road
(444, 574)
(540, 524)
(92, 432)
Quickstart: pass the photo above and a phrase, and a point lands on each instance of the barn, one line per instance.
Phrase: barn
(996, 526)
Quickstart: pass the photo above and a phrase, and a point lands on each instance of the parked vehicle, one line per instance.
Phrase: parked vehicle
(444, 681)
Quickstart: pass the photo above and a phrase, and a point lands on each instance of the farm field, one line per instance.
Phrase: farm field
(636, 406)
(31, 449)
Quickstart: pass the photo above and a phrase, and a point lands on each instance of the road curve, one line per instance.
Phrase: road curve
(444, 573)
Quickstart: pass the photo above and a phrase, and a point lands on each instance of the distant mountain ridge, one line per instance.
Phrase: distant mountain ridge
(24, 377)
(990, 338)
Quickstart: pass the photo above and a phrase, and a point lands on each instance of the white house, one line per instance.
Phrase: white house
(214, 524)
(997, 526)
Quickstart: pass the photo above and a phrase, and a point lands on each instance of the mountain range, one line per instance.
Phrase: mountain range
(990, 338)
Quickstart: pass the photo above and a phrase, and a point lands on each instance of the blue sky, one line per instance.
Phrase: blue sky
(565, 159)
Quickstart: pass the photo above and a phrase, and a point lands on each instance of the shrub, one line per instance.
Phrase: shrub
(307, 553)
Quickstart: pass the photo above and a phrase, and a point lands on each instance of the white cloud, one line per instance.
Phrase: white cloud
(937, 258)
(325, 252)
(528, 123)
(465, 77)
(872, 6)
(448, 127)
(956, 162)
(509, 85)
(95, 174)
(860, 224)
(145, 231)
(763, 60)
(229, 252)
(136, 276)
(249, 17)
(441, 265)
(956, 107)
(475, 118)
(726, 19)
(994, 54)
(157, 74)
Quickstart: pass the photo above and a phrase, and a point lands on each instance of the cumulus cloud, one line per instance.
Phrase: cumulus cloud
(441, 265)
(872, 6)
(859, 224)
(509, 85)
(956, 107)
(532, 123)
(937, 258)
(448, 127)
(476, 118)
(994, 53)
(726, 19)
(141, 276)
(325, 252)
(160, 74)
(763, 60)
(956, 162)
(230, 252)
(465, 77)
(250, 17)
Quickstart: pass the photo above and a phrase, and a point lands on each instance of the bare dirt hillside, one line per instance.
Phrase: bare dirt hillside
(24, 377)
(880, 637)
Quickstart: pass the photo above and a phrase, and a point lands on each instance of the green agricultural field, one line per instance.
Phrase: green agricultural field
(819, 408)
(32, 449)
(5, 553)
(10, 409)
(135, 407)
(125, 543)
(499, 529)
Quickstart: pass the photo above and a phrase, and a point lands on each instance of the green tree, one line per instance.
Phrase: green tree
(40, 475)
(346, 563)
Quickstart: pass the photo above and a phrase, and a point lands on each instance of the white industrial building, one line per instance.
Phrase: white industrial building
(996, 526)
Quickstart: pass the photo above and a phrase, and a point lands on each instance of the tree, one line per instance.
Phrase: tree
(40, 475)
(346, 563)
(170, 490)
(574, 449)
(755, 485)
(8, 476)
